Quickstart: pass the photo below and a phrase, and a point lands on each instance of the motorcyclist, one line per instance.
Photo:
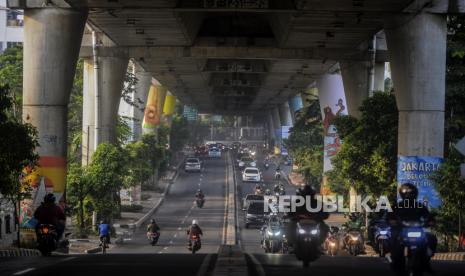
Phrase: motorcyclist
(258, 189)
(302, 212)
(409, 209)
(50, 213)
(377, 219)
(267, 192)
(199, 194)
(278, 187)
(277, 174)
(272, 223)
(354, 223)
(193, 230)
(153, 227)
(104, 232)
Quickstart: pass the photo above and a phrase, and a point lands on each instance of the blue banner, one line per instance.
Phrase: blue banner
(418, 171)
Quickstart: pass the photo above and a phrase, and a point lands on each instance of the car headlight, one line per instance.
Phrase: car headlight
(277, 233)
(253, 153)
(301, 231)
(314, 231)
(270, 233)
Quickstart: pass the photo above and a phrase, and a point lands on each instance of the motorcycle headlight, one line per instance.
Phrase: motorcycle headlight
(414, 234)
(354, 238)
(383, 232)
(332, 244)
(301, 231)
(253, 164)
(270, 233)
(314, 231)
(277, 233)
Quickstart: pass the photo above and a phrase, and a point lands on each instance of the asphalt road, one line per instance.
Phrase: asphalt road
(171, 257)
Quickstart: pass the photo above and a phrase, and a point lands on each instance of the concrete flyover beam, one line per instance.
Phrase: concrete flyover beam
(417, 44)
(355, 79)
(231, 52)
(52, 38)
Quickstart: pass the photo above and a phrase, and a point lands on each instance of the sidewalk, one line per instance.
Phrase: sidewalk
(129, 221)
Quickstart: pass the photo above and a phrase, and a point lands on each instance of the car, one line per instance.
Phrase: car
(251, 174)
(214, 153)
(246, 161)
(192, 165)
(251, 198)
(255, 214)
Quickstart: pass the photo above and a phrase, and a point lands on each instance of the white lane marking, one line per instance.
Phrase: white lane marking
(164, 248)
(160, 252)
(179, 228)
(171, 241)
(175, 235)
(68, 259)
(24, 271)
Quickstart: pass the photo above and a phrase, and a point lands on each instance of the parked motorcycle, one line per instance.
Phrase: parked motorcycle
(307, 243)
(47, 239)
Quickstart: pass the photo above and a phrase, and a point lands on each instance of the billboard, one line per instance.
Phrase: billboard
(154, 108)
(418, 171)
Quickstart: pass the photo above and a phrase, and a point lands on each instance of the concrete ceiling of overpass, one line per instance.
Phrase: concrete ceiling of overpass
(233, 82)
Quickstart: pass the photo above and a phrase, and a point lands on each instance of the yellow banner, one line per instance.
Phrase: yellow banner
(170, 102)
(154, 108)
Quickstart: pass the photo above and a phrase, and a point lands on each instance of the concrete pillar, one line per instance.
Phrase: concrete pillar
(417, 48)
(295, 104)
(271, 132)
(52, 39)
(355, 79)
(379, 76)
(277, 127)
(88, 118)
(144, 80)
(285, 114)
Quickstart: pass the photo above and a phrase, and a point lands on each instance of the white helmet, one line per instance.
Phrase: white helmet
(194, 222)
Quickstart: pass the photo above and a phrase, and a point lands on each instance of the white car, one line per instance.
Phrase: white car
(193, 165)
(214, 152)
(246, 161)
(251, 174)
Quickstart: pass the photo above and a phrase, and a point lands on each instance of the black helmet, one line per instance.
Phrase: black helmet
(408, 191)
(298, 191)
(307, 191)
(49, 198)
(152, 221)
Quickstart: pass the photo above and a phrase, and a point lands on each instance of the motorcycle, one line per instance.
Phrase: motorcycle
(307, 243)
(274, 241)
(382, 236)
(415, 247)
(277, 175)
(153, 237)
(47, 239)
(279, 190)
(195, 244)
(259, 191)
(332, 243)
(200, 201)
(267, 166)
(354, 242)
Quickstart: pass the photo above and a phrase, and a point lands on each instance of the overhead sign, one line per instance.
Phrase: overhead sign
(418, 171)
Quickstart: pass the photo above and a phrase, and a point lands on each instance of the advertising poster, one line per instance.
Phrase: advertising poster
(332, 104)
(154, 108)
(418, 171)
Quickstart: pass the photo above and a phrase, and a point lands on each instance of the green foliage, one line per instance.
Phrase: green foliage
(17, 144)
(11, 76)
(305, 143)
(139, 165)
(106, 174)
(79, 188)
(367, 159)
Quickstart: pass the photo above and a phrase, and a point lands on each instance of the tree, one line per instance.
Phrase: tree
(17, 152)
(78, 188)
(305, 143)
(11, 77)
(106, 173)
(367, 159)
(139, 165)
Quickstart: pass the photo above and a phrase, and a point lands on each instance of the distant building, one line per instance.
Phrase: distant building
(11, 27)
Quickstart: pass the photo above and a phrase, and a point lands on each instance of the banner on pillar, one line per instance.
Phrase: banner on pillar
(170, 102)
(332, 104)
(154, 108)
(49, 176)
(418, 171)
